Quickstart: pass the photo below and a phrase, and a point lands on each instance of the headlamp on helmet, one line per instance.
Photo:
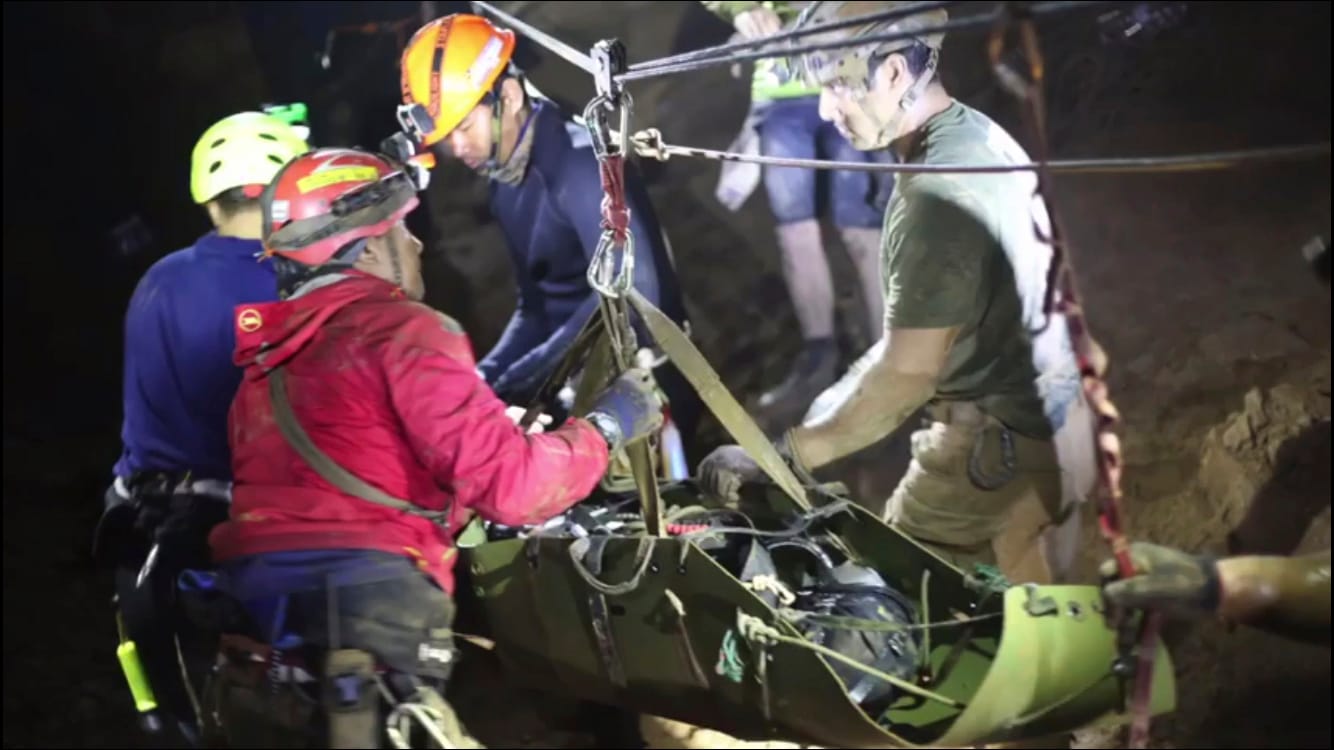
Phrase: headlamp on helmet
(415, 121)
(402, 148)
(322, 202)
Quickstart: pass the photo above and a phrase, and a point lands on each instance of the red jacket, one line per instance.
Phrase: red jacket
(388, 389)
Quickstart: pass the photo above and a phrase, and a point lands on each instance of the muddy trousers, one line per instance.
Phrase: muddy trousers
(979, 493)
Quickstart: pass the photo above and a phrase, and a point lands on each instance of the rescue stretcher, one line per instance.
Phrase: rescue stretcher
(638, 612)
(664, 628)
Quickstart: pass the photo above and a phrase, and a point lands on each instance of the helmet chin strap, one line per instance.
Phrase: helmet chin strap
(497, 102)
(889, 126)
(493, 161)
(395, 261)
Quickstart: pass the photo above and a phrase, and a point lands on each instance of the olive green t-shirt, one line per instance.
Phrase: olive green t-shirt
(964, 250)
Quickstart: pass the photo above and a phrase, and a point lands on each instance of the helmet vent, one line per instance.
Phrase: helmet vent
(268, 137)
(276, 159)
(218, 142)
(215, 167)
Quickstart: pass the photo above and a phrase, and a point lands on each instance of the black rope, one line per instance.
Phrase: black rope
(699, 59)
(652, 69)
(1134, 164)
(551, 43)
(884, 16)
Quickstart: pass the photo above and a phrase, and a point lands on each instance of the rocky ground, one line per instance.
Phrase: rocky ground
(1219, 339)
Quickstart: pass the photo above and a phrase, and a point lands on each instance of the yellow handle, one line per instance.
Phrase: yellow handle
(128, 654)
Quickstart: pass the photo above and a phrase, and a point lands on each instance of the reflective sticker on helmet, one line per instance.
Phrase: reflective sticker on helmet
(318, 180)
(486, 62)
(280, 211)
(249, 320)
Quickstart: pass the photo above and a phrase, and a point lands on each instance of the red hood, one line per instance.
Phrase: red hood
(271, 333)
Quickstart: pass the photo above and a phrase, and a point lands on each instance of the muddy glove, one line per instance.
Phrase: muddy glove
(628, 410)
(1173, 581)
(723, 471)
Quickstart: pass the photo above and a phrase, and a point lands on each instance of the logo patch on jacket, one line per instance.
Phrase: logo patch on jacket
(249, 320)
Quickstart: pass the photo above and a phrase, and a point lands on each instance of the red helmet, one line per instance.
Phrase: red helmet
(324, 199)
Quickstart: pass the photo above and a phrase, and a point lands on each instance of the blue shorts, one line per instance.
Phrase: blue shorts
(792, 128)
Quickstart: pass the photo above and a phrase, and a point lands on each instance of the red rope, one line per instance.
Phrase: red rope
(1092, 364)
(615, 214)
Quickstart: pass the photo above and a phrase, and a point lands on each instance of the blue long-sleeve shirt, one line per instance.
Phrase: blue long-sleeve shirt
(179, 378)
(552, 223)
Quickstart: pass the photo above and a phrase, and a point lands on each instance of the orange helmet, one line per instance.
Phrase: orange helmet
(448, 67)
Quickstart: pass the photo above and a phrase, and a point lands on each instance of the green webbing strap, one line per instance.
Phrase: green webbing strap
(596, 374)
(720, 401)
(569, 362)
(326, 467)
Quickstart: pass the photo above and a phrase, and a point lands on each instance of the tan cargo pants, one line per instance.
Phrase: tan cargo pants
(977, 492)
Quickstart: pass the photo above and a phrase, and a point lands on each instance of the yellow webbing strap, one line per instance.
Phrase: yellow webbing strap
(720, 401)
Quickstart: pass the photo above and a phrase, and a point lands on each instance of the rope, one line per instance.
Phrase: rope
(762, 583)
(925, 611)
(1091, 359)
(566, 52)
(648, 144)
(398, 724)
(655, 69)
(907, 9)
(754, 631)
(643, 555)
(838, 622)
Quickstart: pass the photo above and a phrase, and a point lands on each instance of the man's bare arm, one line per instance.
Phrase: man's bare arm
(1288, 596)
(896, 384)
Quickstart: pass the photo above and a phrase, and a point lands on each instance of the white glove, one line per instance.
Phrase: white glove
(515, 413)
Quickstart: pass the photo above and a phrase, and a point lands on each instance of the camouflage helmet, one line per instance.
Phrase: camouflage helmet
(851, 65)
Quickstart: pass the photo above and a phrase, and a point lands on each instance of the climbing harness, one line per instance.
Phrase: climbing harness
(330, 470)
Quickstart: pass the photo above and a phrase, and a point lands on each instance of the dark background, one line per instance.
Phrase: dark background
(1193, 282)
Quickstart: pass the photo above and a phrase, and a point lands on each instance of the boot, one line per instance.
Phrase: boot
(806, 271)
(813, 370)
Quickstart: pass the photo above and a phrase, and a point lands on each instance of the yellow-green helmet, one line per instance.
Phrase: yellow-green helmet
(852, 63)
(244, 150)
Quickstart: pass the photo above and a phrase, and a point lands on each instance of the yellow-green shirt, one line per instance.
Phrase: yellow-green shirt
(773, 77)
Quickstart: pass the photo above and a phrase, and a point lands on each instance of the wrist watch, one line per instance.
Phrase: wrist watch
(608, 427)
